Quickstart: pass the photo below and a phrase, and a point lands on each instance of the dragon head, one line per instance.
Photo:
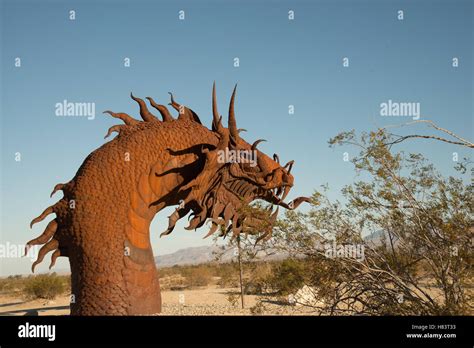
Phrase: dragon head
(234, 173)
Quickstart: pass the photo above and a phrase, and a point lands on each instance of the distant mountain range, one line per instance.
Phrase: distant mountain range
(188, 256)
(204, 254)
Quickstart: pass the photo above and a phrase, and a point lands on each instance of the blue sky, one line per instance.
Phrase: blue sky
(282, 63)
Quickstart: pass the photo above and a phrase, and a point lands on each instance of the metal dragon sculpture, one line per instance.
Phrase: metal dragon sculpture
(102, 222)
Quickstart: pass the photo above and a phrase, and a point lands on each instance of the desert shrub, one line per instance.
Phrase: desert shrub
(185, 276)
(233, 299)
(228, 275)
(258, 309)
(287, 277)
(197, 276)
(173, 282)
(257, 279)
(11, 284)
(45, 286)
(421, 263)
(170, 271)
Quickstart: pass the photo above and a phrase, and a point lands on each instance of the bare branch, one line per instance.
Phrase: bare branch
(462, 141)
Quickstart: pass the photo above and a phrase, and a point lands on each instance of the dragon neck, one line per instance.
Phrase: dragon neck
(112, 264)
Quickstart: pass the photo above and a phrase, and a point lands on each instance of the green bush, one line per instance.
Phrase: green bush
(45, 286)
(258, 275)
(288, 277)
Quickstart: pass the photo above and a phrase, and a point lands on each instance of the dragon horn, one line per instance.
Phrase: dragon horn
(232, 124)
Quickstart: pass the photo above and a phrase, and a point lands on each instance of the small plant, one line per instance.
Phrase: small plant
(228, 276)
(44, 286)
(197, 276)
(233, 299)
(11, 284)
(257, 309)
(257, 282)
(288, 277)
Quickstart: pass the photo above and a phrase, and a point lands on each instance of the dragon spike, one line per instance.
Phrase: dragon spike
(198, 220)
(194, 223)
(216, 119)
(241, 130)
(226, 231)
(176, 106)
(41, 217)
(117, 128)
(127, 119)
(212, 230)
(173, 103)
(228, 213)
(276, 158)
(162, 109)
(146, 115)
(254, 145)
(173, 218)
(44, 237)
(183, 111)
(217, 209)
(289, 165)
(57, 188)
(51, 245)
(55, 255)
(232, 124)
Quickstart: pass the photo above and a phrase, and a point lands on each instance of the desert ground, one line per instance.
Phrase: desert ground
(211, 300)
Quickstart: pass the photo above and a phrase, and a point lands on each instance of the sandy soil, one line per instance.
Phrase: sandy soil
(205, 301)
